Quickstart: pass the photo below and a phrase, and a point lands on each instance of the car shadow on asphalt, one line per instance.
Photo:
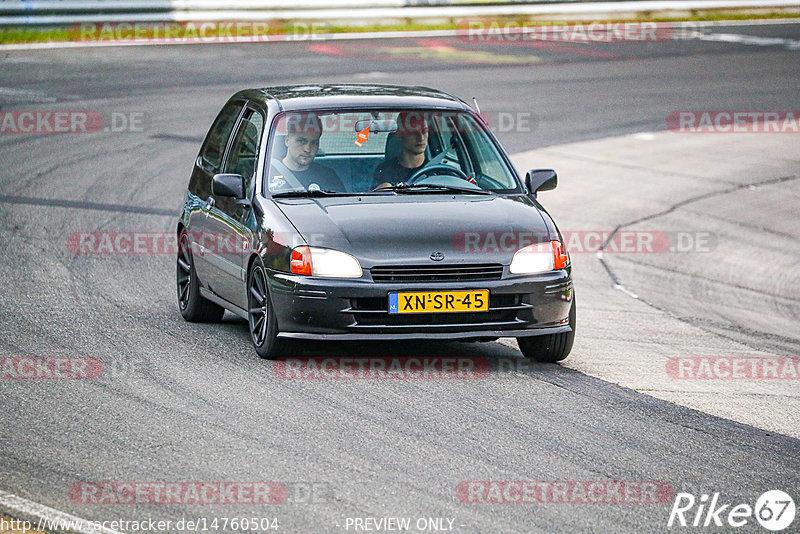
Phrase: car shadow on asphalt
(506, 363)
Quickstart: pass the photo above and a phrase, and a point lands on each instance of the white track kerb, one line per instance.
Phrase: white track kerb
(46, 518)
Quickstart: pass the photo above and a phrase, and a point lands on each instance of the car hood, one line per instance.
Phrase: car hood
(408, 228)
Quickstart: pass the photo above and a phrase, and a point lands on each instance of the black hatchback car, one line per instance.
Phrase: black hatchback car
(370, 212)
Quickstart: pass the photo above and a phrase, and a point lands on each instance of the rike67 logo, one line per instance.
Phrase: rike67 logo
(774, 510)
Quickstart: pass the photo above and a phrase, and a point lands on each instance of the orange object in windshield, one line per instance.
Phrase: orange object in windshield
(363, 137)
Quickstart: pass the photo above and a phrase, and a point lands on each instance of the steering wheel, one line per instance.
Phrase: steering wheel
(427, 171)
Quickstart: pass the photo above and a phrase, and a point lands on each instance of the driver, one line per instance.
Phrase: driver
(298, 167)
(412, 132)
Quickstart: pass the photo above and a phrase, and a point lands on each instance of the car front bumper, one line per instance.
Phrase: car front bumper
(357, 309)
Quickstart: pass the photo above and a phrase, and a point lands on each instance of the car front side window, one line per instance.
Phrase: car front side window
(244, 150)
(217, 138)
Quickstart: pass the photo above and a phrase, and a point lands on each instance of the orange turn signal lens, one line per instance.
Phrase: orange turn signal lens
(301, 261)
(560, 258)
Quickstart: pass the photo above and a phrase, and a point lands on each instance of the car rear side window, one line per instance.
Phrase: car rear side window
(217, 139)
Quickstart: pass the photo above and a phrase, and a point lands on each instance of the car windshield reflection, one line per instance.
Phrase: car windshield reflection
(380, 152)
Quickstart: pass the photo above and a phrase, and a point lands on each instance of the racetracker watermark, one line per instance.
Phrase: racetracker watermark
(397, 368)
(734, 368)
(170, 526)
(15, 526)
(158, 243)
(507, 121)
(581, 241)
(734, 121)
(71, 122)
(489, 242)
(188, 32)
(481, 31)
(50, 368)
(410, 121)
(124, 243)
(564, 492)
(181, 493)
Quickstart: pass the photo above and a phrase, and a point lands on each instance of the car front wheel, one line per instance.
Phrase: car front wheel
(261, 315)
(551, 347)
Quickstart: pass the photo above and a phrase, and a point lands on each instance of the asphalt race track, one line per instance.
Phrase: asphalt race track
(185, 402)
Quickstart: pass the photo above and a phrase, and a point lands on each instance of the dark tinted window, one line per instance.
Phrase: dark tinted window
(244, 150)
(217, 139)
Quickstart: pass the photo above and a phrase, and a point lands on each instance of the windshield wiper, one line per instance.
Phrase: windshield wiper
(311, 193)
(410, 188)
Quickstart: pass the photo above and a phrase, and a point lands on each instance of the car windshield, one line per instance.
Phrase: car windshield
(385, 152)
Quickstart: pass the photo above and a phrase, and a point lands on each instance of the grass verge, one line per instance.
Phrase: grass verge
(295, 30)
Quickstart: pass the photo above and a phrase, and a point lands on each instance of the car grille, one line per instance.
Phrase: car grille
(437, 273)
(374, 312)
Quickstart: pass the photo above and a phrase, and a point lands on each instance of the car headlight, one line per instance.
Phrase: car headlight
(539, 258)
(314, 261)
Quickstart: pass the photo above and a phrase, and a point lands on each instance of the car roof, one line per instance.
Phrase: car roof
(338, 96)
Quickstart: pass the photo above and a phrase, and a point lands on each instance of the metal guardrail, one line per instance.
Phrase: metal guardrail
(43, 12)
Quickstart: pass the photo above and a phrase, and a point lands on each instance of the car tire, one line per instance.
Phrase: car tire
(551, 347)
(192, 305)
(261, 321)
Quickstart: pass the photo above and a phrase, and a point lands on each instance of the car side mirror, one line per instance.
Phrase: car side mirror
(228, 185)
(541, 180)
